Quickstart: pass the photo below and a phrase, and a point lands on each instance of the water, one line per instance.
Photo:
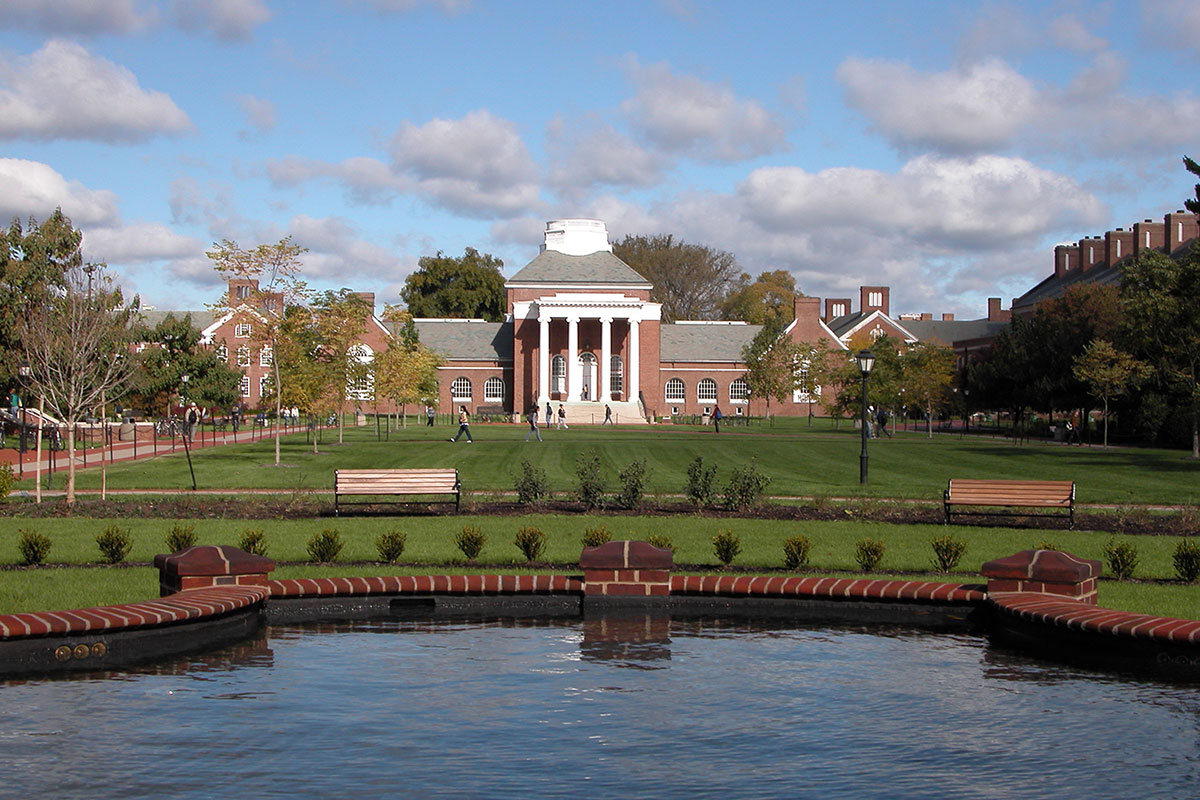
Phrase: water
(636, 708)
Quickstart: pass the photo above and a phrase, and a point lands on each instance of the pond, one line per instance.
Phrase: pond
(622, 707)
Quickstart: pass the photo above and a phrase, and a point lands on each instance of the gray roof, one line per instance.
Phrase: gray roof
(464, 339)
(200, 319)
(552, 266)
(705, 342)
(948, 331)
(840, 325)
(1055, 285)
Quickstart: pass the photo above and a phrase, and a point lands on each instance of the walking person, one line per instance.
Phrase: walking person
(430, 413)
(464, 425)
(562, 418)
(191, 422)
(717, 417)
(881, 419)
(532, 417)
(235, 414)
(607, 415)
(549, 415)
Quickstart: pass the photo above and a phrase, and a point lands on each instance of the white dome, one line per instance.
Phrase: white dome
(576, 237)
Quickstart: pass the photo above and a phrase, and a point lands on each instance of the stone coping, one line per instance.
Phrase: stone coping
(859, 588)
(192, 605)
(1063, 612)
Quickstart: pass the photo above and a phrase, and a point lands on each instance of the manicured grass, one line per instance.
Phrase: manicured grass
(430, 547)
(818, 461)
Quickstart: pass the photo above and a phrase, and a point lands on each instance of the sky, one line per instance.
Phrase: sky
(939, 148)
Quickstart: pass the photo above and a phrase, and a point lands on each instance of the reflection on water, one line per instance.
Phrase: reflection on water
(636, 705)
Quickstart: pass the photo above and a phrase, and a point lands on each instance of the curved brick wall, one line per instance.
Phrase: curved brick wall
(859, 588)
(1062, 612)
(425, 584)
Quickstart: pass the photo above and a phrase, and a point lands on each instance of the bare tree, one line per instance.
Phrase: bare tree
(78, 344)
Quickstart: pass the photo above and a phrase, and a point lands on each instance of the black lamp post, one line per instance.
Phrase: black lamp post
(866, 360)
(967, 408)
(187, 429)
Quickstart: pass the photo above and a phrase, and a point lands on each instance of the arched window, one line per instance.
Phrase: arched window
(676, 391)
(243, 356)
(706, 390)
(461, 389)
(558, 374)
(739, 390)
(493, 390)
(616, 383)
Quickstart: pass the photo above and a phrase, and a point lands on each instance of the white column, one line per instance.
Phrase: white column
(543, 361)
(605, 358)
(574, 377)
(635, 360)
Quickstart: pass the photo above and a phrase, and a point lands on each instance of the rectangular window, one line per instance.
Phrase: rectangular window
(244, 386)
(243, 357)
(241, 330)
(264, 357)
(264, 386)
(223, 353)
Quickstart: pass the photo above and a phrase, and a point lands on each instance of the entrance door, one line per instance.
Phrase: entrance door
(587, 366)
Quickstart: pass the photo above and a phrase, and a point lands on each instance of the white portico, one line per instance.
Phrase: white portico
(583, 312)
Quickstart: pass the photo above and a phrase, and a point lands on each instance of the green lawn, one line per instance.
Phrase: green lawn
(430, 547)
(817, 461)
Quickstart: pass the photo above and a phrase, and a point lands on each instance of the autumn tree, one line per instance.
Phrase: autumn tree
(34, 261)
(818, 365)
(341, 319)
(271, 275)
(173, 350)
(1162, 324)
(1109, 373)
(304, 373)
(407, 371)
(926, 372)
(690, 280)
(470, 286)
(772, 365)
(771, 296)
(78, 343)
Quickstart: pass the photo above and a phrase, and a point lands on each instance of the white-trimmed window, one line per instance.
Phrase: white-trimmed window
(244, 386)
(264, 386)
(264, 356)
(361, 387)
(242, 292)
(616, 382)
(460, 389)
(706, 390)
(676, 391)
(243, 356)
(223, 352)
(493, 390)
(241, 330)
(558, 374)
(739, 390)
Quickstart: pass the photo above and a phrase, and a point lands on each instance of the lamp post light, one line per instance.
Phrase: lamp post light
(866, 360)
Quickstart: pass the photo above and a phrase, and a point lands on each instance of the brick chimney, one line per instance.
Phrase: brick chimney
(808, 319)
(1066, 257)
(1149, 235)
(242, 291)
(1181, 228)
(873, 298)
(995, 313)
(947, 317)
(836, 307)
(1118, 245)
(368, 299)
(1091, 253)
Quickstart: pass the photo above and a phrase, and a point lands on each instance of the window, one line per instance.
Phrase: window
(493, 390)
(676, 391)
(877, 333)
(264, 357)
(361, 387)
(739, 390)
(223, 352)
(558, 375)
(839, 309)
(242, 292)
(243, 357)
(616, 383)
(244, 386)
(875, 298)
(801, 395)
(706, 390)
(241, 330)
(461, 389)
(264, 386)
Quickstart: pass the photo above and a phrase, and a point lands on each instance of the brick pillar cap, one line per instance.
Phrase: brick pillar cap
(1051, 566)
(207, 559)
(626, 555)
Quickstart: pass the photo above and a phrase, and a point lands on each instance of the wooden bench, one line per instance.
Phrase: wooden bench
(1011, 494)
(394, 483)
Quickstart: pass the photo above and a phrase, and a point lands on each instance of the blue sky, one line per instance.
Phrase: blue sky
(939, 148)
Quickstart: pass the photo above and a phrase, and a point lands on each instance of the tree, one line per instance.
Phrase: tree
(1109, 373)
(1192, 205)
(926, 371)
(470, 286)
(341, 319)
(690, 280)
(34, 261)
(1162, 324)
(772, 365)
(771, 296)
(817, 367)
(78, 344)
(173, 351)
(272, 273)
(304, 374)
(407, 371)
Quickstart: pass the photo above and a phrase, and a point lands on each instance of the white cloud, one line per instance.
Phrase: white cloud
(64, 92)
(475, 165)
(336, 253)
(1072, 33)
(84, 17)
(30, 187)
(963, 110)
(685, 115)
(232, 20)
(260, 112)
(1174, 23)
(139, 242)
(367, 181)
(599, 156)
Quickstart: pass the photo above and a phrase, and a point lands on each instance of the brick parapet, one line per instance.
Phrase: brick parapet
(426, 584)
(1062, 612)
(858, 588)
